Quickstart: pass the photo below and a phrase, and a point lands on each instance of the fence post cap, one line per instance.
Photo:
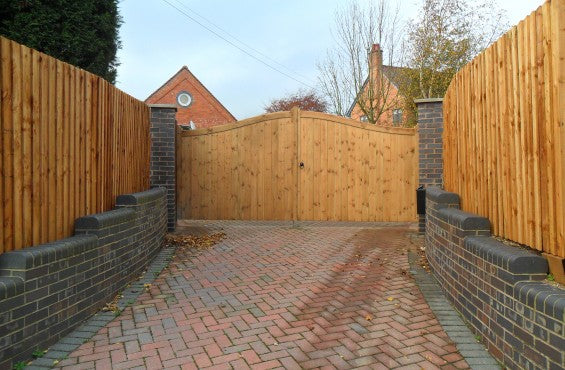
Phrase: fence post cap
(428, 100)
(170, 106)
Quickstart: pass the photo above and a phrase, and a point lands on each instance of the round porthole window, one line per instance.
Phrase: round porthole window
(184, 99)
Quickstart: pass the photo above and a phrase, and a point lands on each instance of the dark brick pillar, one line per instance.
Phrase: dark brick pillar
(163, 126)
(430, 146)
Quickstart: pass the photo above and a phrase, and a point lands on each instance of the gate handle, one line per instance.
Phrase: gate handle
(301, 164)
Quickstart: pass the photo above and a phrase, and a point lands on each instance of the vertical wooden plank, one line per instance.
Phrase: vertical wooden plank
(500, 106)
(215, 185)
(292, 166)
(331, 171)
(486, 134)
(537, 99)
(295, 140)
(191, 147)
(202, 177)
(307, 157)
(268, 194)
(7, 145)
(388, 169)
(527, 132)
(66, 133)
(344, 172)
(253, 170)
(314, 162)
(72, 155)
(341, 196)
(94, 149)
(275, 181)
(474, 127)
(521, 122)
(558, 86)
(221, 174)
(82, 145)
(36, 157)
(88, 145)
(548, 188)
(260, 157)
(26, 142)
(44, 149)
(364, 173)
(509, 118)
(351, 180)
(18, 203)
(246, 172)
(490, 122)
(182, 168)
(380, 176)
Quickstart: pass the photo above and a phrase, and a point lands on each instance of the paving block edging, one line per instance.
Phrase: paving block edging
(474, 352)
(90, 327)
(46, 291)
(498, 289)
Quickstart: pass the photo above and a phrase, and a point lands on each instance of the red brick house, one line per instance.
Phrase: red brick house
(193, 100)
(395, 103)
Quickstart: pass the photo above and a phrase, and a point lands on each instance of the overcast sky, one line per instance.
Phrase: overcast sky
(157, 40)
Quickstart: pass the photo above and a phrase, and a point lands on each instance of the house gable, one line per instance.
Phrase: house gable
(204, 109)
(394, 100)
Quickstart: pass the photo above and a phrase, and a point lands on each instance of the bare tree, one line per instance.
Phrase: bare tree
(345, 73)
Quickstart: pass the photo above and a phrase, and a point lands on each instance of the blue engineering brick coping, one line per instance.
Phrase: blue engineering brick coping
(499, 289)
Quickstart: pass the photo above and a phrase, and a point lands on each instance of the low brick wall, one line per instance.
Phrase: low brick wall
(48, 290)
(497, 288)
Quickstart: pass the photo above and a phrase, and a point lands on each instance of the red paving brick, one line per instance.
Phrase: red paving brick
(328, 296)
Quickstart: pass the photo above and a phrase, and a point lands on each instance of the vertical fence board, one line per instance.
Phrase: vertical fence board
(62, 137)
(18, 205)
(558, 89)
(7, 154)
(352, 171)
(507, 108)
(36, 158)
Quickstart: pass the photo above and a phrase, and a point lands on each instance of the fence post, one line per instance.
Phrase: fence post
(163, 167)
(430, 146)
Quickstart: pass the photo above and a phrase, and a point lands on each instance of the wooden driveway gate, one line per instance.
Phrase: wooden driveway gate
(297, 166)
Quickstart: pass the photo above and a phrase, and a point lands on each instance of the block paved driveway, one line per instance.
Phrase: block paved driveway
(277, 296)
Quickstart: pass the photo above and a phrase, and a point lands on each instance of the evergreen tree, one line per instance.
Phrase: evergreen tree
(83, 33)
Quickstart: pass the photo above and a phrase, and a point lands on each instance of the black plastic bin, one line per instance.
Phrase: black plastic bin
(421, 200)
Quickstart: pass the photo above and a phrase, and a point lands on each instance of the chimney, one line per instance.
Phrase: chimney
(375, 57)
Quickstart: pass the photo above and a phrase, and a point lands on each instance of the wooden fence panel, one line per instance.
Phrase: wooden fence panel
(70, 143)
(504, 137)
(250, 170)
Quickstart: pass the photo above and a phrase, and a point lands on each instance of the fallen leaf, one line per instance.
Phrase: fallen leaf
(390, 299)
(193, 241)
(368, 317)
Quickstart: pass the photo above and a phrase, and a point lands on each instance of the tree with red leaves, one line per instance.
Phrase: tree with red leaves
(305, 100)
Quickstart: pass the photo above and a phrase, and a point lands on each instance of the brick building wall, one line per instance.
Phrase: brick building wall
(204, 109)
(385, 81)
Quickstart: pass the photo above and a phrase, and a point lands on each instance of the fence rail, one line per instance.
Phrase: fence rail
(504, 137)
(70, 142)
